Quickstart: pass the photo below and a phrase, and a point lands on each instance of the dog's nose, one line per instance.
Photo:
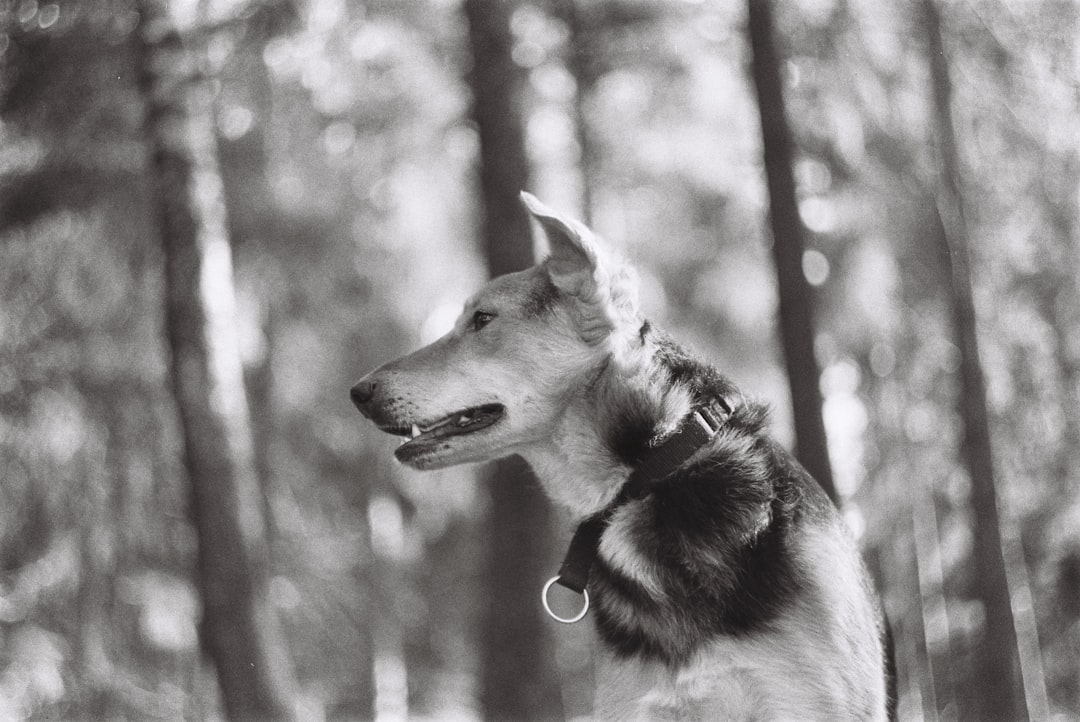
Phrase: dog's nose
(362, 394)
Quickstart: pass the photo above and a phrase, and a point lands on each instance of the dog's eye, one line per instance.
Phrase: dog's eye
(481, 319)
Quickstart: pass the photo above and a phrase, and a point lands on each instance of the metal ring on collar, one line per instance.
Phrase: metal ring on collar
(565, 620)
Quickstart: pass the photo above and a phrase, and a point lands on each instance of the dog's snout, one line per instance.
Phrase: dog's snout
(362, 394)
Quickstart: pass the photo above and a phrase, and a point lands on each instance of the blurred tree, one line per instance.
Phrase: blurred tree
(345, 149)
(302, 457)
(582, 63)
(1000, 694)
(518, 675)
(1013, 71)
(796, 301)
(251, 217)
(239, 627)
(594, 32)
(94, 547)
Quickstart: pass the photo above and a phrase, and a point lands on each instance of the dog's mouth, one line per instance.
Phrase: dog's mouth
(467, 421)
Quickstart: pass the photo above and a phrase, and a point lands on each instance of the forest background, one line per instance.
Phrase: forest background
(215, 215)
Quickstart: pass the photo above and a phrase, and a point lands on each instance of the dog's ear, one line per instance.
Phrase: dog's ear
(573, 262)
(606, 289)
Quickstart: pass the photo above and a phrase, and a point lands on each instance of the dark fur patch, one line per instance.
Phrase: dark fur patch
(703, 380)
(644, 332)
(892, 693)
(542, 298)
(634, 427)
(718, 534)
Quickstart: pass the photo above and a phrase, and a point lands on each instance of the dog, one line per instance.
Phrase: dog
(721, 579)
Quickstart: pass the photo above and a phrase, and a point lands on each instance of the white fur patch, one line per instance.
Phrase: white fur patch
(815, 664)
(620, 550)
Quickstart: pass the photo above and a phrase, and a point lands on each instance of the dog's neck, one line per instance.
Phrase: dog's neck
(602, 434)
(575, 469)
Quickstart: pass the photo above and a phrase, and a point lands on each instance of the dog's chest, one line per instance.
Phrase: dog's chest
(731, 679)
(637, 690)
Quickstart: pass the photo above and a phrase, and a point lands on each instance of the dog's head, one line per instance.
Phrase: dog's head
(527, 342)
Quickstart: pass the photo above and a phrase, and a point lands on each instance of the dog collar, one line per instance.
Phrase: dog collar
(699, 427)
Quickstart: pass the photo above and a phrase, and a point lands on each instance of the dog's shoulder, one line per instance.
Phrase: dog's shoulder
(788, 672)
(737, 593)
(727, 546)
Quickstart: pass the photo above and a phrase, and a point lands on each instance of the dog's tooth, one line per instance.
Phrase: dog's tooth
(465, 418)
(415, 431)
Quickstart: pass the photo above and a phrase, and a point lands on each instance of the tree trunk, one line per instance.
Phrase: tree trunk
(1000, 694)
(518, 676)
(796, 311)
(239, 630)
(579, 47)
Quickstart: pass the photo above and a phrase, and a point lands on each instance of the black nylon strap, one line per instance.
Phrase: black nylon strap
(574, 571)
(697, 428)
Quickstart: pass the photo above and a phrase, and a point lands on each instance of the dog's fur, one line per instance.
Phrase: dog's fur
(729, 590)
